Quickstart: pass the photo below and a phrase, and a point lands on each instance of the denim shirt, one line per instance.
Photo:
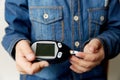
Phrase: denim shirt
(73, 22)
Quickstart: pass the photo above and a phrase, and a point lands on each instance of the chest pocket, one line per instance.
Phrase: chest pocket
(46, 22)
(97, 19)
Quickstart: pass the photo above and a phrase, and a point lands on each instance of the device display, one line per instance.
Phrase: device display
(44, 50)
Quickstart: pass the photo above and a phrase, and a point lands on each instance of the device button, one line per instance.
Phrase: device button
(59, 45)
(59, 54)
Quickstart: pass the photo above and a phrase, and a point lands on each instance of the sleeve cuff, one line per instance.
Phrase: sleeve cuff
(11, 49)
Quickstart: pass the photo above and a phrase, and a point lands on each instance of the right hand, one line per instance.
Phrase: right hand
(25, 56)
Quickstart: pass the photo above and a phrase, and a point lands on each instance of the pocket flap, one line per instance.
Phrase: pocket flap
(97, 16)
(46, 15)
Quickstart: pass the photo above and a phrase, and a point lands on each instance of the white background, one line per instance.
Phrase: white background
(7, 65)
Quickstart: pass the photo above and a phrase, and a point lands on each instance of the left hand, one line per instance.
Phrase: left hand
(92, 56)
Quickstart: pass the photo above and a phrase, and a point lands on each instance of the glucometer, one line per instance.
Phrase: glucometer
(51, 51)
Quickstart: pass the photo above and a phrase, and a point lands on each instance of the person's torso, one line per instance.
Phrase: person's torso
(72, 22)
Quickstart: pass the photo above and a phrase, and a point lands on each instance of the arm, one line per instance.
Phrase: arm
(111, 37)
(105, 46)
(17, 17)
(17, 38)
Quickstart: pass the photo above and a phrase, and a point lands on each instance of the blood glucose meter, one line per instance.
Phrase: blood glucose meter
(51, 51)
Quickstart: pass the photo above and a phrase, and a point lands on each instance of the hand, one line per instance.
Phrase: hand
(24, 58)
(92, 56)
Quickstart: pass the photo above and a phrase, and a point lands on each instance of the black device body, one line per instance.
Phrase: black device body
(53, 51)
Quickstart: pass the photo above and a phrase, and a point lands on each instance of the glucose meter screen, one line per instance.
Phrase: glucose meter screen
(43, 49)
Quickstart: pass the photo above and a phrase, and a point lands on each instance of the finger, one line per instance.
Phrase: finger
(88, 56)
(80, 55)
(82, 62)
(75, 60)
(82, 69)
(77, 68)
(80, 65)
(30, 67)
(36, 67)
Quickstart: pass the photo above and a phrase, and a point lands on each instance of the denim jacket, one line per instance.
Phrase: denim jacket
(73, 22)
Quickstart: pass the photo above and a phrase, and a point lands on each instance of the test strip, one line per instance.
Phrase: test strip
(72, 52)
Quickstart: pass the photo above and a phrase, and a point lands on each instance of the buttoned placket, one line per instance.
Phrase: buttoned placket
(76, 28)
(76, 18)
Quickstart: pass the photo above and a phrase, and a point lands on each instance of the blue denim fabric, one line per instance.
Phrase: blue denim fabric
(55, 20)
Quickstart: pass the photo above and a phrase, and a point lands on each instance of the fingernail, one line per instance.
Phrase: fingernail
(78, 54)
(46, 65)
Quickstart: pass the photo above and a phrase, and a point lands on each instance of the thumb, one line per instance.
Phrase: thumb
(26, 50)
(94, 45)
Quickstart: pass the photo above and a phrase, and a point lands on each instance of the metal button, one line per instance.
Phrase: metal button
(77, 43)
(102, 18)
(45, 16)
(76, 18)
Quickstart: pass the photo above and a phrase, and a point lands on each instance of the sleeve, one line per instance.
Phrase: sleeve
(111, 36)
(17, 17)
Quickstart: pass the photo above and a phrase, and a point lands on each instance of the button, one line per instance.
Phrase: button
(59, 45)
(102, 18)
(59, 55)
(76, 18)
(45, 16)
(77, 43)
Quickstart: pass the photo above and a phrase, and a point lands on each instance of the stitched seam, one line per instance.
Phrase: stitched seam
(62, 37)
